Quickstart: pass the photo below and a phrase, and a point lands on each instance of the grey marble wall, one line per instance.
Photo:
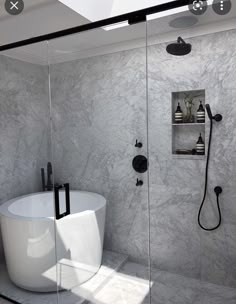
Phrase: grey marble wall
(99, 109)
(178, 245)
(24, 122)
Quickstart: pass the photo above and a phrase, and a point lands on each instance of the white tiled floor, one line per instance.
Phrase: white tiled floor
(120, 281)
(111, 262)
(170, 288)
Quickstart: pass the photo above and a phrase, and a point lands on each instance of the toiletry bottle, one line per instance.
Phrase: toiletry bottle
(201, 113)
(178, 114)
(200, 146)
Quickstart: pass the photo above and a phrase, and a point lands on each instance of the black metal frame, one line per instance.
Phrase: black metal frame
(132, 18)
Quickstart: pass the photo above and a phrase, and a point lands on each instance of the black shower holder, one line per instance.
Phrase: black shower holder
(218, 190)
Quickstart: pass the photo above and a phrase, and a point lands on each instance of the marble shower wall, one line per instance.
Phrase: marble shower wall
(99, 108)
(24, 113)
(178, 245)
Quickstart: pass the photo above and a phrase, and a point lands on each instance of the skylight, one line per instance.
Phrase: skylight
(95, 10)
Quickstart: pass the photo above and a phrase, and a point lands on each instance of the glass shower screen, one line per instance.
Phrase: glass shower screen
(190, 264)
(99, 132)
(27, 201)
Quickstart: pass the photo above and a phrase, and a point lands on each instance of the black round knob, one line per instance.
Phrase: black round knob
(140, 164)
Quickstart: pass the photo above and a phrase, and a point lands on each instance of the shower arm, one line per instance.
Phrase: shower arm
(181, 40)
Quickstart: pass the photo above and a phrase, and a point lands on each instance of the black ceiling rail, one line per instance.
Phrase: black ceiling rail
(130, 17)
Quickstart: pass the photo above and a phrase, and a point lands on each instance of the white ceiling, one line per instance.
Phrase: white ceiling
(39, 17)
(51, 15)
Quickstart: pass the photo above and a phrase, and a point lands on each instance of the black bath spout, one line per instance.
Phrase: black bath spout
(49, 174)
(49, 185)
(43, 179)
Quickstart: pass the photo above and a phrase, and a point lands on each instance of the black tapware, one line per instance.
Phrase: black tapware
(140, 163)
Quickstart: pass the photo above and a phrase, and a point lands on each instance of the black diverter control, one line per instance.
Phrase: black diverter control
(140, 164)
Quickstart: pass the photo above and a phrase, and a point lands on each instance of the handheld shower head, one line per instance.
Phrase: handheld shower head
(217, 117)
(218, 190)
(208, 108)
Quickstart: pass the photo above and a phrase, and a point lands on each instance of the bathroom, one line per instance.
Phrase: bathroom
(117, 214)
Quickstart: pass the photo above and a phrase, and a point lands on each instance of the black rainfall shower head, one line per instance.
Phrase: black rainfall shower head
(180, 48)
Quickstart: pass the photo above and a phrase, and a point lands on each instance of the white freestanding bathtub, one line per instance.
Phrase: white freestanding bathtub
(43, 254)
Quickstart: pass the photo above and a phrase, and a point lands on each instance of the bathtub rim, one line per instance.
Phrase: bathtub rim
(4, 211)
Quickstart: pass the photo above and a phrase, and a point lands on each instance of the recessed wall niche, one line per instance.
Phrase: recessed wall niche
(188, 122)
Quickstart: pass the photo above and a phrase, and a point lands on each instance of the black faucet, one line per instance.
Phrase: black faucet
(49, 185)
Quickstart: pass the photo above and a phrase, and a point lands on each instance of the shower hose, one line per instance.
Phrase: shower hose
(205, 187)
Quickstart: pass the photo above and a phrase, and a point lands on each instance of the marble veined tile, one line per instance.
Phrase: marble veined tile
(99, 110)
(169, 288)
(175, 239)
(129, 285)
(24, 125)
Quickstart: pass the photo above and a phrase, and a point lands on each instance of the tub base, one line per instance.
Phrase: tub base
(68, 276)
